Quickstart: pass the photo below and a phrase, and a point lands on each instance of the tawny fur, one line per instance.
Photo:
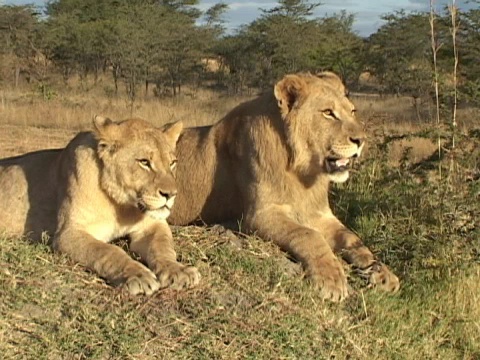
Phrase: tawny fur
(266, 165)
(116, 181)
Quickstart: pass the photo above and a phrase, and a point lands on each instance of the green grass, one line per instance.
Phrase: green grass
(253, 303)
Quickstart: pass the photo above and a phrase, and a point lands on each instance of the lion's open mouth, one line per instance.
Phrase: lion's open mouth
(337, 165)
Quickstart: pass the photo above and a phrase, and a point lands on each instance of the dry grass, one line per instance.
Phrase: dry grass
(412, 151)
(75, 111)
(398, 115)
(28, 122)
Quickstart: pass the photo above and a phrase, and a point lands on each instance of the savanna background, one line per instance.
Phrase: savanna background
(413, 198)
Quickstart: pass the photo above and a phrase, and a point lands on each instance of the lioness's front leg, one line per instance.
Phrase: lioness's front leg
(308, 246)
(352, 249)
(107, 260)
(155, 246)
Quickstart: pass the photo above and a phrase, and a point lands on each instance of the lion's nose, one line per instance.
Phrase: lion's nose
(357, 141)
(168, 194)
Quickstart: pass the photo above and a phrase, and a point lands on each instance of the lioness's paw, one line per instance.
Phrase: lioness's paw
(177, 276)
(383, 278)
(140, 280)
(327, 274)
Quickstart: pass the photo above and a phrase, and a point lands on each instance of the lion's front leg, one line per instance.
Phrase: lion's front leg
(107, 260)
(155, 246)
(306, 245)
(352, 249)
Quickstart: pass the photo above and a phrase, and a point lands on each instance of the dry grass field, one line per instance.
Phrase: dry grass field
(416, 208)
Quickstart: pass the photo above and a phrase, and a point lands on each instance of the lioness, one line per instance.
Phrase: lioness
(269, 163)
(115, 181)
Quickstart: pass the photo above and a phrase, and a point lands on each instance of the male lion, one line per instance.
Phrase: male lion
(115, 181)
(268, 163)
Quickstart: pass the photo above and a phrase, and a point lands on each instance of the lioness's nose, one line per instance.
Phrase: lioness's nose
(168, 193)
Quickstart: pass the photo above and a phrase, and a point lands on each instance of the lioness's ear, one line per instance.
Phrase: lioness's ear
(288, 90)
(172, 132)
(103, 133)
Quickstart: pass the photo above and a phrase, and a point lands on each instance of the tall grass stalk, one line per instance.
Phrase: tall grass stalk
(435, 49)
(453, 10)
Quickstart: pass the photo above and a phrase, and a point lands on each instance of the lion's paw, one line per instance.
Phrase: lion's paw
(140, 280)
(380, 276)
(327, 274)
(177, 276)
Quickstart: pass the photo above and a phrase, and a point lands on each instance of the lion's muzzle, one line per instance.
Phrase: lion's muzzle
(341, 156)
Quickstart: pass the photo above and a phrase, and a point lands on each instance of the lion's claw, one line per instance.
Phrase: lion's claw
(328, 276)
(379, 275)
(177, 276)
(384, 279)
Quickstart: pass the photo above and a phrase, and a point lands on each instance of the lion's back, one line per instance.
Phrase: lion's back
(27, 185)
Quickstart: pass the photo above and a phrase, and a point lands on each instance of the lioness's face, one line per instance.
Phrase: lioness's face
(139, 167)
(323, 119)
(146, 171)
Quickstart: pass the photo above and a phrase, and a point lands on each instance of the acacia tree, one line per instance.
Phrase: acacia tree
(469, 52)
(337, 47)
(140, 40)
(399, 54)
(288, 38)
(281, 39)
(20, 33)
(235, 50)
(181, 51)
(79, 34)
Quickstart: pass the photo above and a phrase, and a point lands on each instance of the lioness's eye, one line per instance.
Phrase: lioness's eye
(354, 111)
(173, 164)
(145, 163)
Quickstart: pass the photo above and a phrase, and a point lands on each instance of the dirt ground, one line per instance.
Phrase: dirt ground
(16, 140)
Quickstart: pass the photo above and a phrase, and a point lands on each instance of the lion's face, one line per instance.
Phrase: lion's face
(138, 164)
(320, 123)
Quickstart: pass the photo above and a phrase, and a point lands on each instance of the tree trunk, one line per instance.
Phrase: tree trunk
(172, 85)
(17, 75)
(146, 83)
(115, 72)
(66, 74)
(95, 75)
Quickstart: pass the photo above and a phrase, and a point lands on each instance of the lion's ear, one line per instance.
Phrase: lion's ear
(172, 131)
(288, 91)
(333, 80)
(100, 123)
(105, 128)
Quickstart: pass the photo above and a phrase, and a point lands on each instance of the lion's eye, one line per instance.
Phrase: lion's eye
(329, 113)
(354, 112)
(145, 163)
(173, 164)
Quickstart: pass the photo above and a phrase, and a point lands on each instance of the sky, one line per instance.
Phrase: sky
(367, 12)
